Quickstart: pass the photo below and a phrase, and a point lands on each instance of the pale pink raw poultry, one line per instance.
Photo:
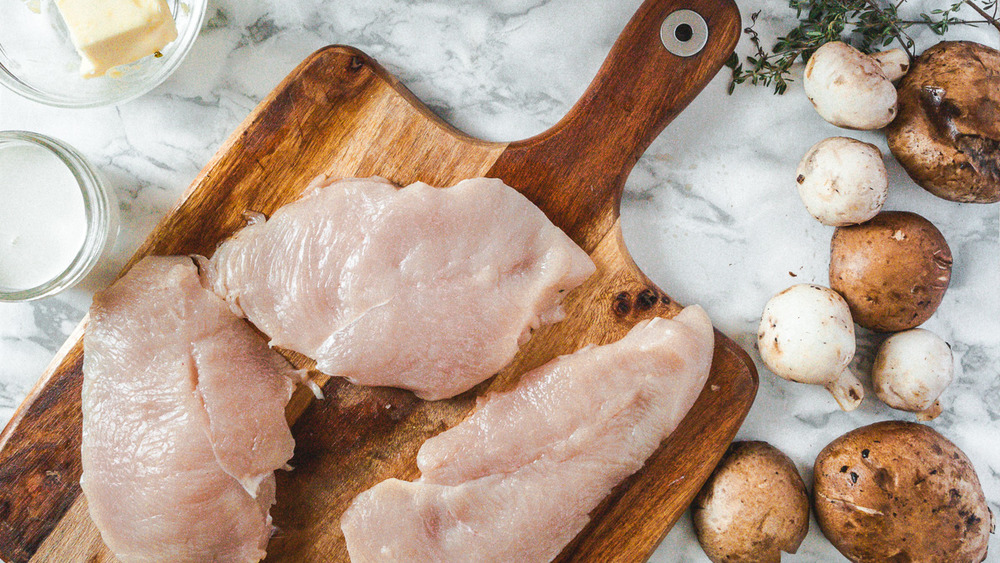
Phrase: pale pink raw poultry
(183, 420)
(517, 479)
(426, 289)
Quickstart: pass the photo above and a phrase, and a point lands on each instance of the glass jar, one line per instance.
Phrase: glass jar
(100, 206)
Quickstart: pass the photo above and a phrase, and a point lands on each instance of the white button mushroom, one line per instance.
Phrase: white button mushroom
(849, 88)
(895, 63)
(911, 370)
(842, 181)
(806, 335)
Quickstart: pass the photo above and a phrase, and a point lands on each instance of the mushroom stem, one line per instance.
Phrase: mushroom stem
(930, 413)
(894, 63)
(847, 390)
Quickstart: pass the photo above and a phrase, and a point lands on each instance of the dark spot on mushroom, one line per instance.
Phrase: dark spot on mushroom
(941, 111)
(864, 453)
(622, 304)
(665, 300)
(356, 63)
(950, 109)
(883, 479)
(645, 300)
(800, 179)
(954, 497)
(843, 469)
(932, 96)
(854, 478)
(983, 152)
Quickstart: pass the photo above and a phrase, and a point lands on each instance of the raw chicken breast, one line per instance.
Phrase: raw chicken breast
(517, 479)
(183, 420)
(426, 289)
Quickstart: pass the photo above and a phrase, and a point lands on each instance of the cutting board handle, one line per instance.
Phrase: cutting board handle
(640, 88)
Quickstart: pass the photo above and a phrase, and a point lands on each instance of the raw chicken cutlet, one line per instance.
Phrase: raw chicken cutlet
(427, 289)
(183, 420)
(517, 479)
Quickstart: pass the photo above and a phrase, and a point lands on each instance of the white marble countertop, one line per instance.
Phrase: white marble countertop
(710, 212)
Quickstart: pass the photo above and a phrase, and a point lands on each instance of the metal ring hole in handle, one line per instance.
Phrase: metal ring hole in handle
(684, 33)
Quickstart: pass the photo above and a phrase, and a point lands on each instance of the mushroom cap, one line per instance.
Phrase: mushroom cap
(753, 507)
(806, 334)
(911, 370)
(848, 88)
(899, 491)
(947, 135)
(893, 270)
(842, 181)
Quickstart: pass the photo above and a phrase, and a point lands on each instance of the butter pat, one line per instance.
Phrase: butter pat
(108, 33)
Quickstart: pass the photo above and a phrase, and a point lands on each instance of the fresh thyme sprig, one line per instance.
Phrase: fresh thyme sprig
(868, 25)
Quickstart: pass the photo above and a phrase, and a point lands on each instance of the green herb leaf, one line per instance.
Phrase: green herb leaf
(868, 25)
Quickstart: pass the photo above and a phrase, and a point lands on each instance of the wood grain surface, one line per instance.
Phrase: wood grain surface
(341, 113)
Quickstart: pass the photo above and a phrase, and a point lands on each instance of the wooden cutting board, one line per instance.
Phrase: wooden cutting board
(341, 113)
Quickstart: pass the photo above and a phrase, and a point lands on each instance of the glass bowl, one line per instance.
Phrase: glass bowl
(39, 62)
(100, 207)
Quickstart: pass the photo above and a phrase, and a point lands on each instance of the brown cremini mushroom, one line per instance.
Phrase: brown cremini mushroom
(899, 491)
(947, 134)
(753, 507)
(892, 270)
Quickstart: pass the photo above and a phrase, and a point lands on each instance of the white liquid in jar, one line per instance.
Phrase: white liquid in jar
(43, 223)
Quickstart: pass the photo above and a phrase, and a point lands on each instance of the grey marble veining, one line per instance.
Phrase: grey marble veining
(710, 212)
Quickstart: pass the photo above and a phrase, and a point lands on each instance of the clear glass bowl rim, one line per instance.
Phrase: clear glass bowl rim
(98, 202)
(185, 41)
